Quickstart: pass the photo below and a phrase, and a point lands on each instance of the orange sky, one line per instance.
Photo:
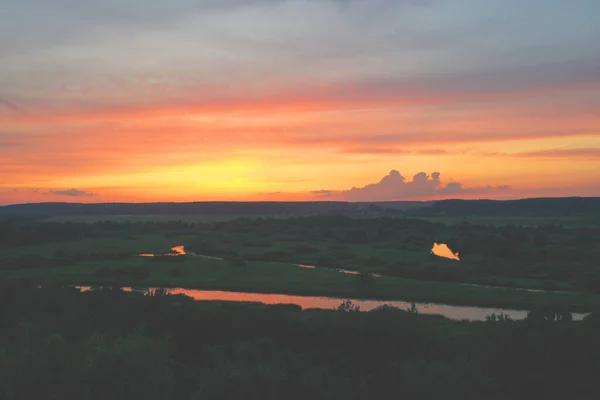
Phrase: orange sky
(203, 110)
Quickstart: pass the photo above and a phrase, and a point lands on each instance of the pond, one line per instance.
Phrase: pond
(442, 250)
(328, 303)
(175, 251)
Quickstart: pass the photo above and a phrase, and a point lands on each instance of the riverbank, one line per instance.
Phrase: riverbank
(281, 278)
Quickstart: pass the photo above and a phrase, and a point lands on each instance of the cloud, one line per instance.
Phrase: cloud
(557, 153)
(373, 150)
(393, 76)
(395, 186)
(72, 193)
(322, 193)
(452, 188)
(10, 105)
(392, 151)
(574, 153)
(431, 152)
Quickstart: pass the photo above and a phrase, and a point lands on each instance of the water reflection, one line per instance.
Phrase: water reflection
(448, 311)
(175, 251)
(179, 250)
(442, 250)
(343, 271)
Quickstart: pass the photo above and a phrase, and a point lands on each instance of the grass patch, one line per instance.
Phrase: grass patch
(283, 278)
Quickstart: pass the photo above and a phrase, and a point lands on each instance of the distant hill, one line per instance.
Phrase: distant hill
(196, 208)
(536, 207)
(546, 207)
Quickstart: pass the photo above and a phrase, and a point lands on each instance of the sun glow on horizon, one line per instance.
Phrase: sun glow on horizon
(273, 108)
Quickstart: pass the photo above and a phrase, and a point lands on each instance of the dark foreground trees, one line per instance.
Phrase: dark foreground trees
(60, 344)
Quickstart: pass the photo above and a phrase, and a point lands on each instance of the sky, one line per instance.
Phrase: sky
(378, 100)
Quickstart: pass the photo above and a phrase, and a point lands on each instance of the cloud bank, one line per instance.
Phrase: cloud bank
(72, 193)
(395, 186)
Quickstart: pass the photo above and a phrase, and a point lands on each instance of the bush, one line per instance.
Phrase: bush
(348, 306)
(548, 314)
(412, 309)
(498, 318)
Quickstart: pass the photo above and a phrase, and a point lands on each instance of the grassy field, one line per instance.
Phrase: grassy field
(130, 244)
(262, 277)
(399, 249)
(251, 247)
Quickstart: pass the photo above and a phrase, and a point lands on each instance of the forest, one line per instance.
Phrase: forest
(61, 343)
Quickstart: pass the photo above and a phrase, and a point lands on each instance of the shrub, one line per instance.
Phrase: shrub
(348, 306)
(548, 314)
(413, 309)
(498, 318)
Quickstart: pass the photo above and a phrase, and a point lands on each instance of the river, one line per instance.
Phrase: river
(448, 311)
(328, 303)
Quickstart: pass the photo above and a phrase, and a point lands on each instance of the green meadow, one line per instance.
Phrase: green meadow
(259, 256)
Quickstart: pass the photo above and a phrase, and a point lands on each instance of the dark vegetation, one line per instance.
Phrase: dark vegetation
(206, 208)
(136, 273)
(61, 344)
(58, 343)
(177, 272)
(547, 256)
(540, 207)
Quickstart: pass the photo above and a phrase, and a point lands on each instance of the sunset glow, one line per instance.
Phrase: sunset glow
(298, 100)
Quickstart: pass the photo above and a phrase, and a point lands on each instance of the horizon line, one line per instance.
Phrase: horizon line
(300, 201)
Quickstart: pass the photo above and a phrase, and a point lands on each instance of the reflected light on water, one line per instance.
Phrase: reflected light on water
(175, 251)
(179, 250)
(329, 303)
(442, 250)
